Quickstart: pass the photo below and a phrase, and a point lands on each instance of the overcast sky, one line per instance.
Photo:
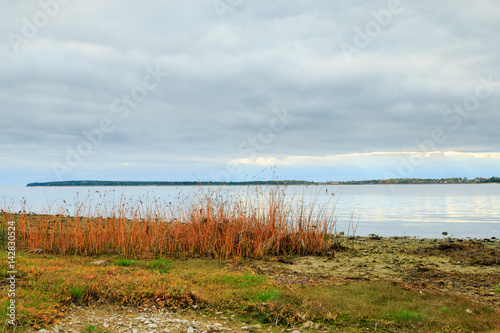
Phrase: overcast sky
(221, 90)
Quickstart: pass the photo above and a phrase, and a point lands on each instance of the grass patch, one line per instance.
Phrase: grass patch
(445, 310)
(245, 281)
(366, 304)
(160, 265)
(76, 293)
(124, 262)
(496, 288)
(267, 295)
(405, 315)
(94, 329)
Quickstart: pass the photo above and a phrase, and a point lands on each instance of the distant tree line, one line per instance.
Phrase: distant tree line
(454, 180)
(167, 183)
(464, 180)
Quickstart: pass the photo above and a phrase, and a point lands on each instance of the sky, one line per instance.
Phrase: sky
(231, 90)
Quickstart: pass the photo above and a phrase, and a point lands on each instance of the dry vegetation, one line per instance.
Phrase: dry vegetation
(215, 224)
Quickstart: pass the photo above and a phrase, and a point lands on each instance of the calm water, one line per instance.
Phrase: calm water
(415, 210)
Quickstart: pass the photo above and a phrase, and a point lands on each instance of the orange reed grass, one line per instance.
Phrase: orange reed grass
(255, 223)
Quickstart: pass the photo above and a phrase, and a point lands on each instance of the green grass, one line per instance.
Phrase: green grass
(94, 329)
(124, 262)
(365, 304)
(77, 294)
(160, 265)
(267, 295)
(406, 315)
(445, 310)
(496, 288)
(245, 281)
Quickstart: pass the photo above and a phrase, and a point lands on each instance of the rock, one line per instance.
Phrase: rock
(100, 263)
(308, 324)
(190, 330)
(43, 331)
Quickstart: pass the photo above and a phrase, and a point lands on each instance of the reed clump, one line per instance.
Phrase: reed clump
(218, 224)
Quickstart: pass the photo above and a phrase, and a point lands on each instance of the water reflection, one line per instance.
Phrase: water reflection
(416, 210)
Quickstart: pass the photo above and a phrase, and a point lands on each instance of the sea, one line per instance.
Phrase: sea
(423, 210)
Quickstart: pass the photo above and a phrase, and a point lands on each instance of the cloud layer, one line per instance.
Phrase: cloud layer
(169, 90)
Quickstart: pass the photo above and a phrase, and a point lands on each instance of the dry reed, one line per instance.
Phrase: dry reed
(218, 224)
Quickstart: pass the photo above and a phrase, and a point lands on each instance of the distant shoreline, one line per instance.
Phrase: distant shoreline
(402, 181)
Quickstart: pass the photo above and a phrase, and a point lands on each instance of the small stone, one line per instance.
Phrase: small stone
(100, 263)
(152, 325)
(190, 330)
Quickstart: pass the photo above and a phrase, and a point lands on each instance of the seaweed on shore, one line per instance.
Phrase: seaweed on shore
(468, 252)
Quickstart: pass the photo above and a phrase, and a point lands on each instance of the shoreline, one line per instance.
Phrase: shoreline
(452, 276)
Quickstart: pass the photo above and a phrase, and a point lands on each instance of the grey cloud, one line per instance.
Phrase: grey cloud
(226, 77)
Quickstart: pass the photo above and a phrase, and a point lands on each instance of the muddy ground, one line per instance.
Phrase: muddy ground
(459, 266)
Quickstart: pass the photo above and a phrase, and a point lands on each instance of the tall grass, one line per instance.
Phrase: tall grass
(214, 223)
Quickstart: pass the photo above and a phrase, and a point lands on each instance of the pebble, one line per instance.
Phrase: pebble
(124, 322)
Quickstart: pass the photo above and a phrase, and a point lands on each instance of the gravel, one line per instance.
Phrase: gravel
(130, 320)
